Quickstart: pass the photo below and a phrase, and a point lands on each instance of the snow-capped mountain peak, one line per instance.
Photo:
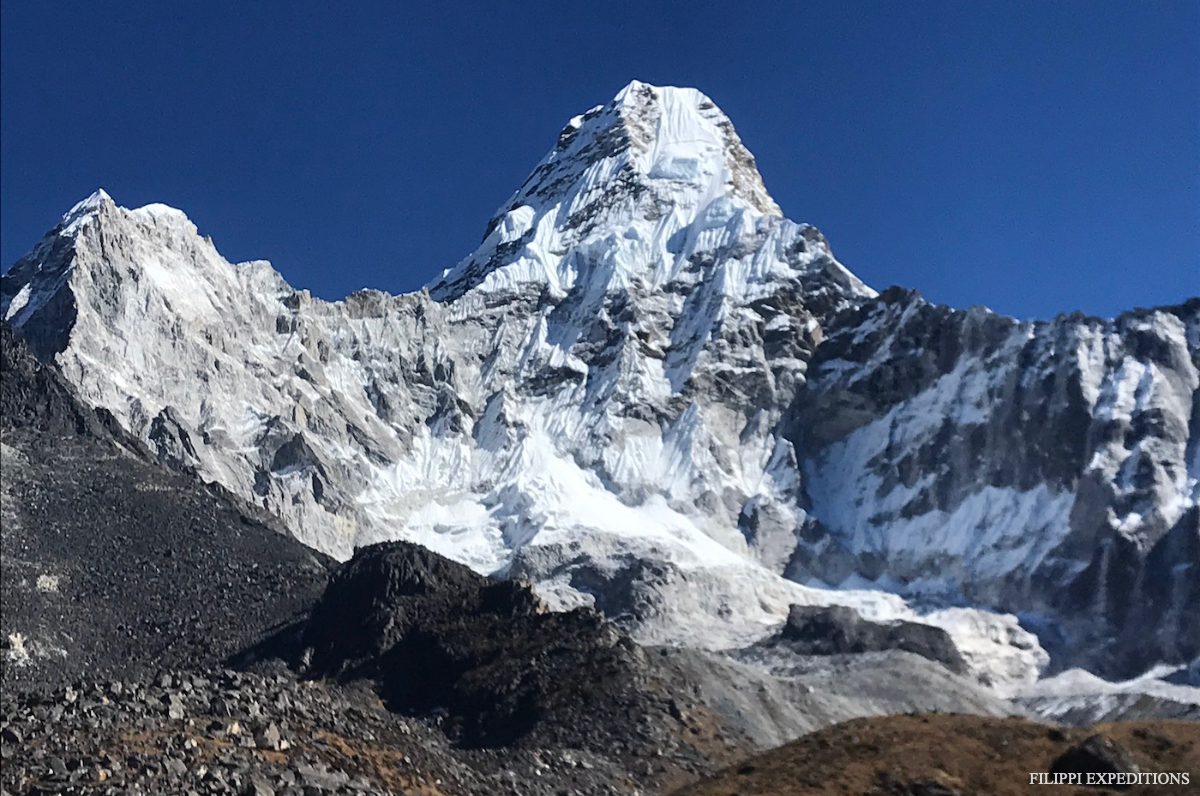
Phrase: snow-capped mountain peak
(598, 385)
(100, 205)
(96, 202)
(661, 134)
(642, 178)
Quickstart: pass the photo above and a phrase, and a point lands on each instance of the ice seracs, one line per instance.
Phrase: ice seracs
(648, 390)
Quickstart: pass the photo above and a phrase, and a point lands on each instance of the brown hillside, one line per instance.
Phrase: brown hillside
(940, 755)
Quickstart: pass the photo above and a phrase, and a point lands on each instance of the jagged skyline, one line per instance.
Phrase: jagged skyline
(975, 155)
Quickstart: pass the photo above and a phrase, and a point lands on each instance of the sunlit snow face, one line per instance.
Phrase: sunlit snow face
(646, 190)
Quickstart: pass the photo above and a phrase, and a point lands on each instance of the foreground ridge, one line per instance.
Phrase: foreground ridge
(898, 755)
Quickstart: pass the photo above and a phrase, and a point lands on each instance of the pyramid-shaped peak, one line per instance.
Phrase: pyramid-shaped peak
(100, 202)
(98, 196)
(647, 140)
(673, 116)
(654, 167)
(97, 200)
(658, 116)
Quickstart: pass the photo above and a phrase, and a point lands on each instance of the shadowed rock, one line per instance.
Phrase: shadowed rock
(1096, 755)
(437, 638)
(839, 630)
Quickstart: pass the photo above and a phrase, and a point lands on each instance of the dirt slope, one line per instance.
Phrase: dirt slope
(939, 755)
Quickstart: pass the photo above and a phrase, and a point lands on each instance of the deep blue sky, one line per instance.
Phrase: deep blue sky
(1035, 157)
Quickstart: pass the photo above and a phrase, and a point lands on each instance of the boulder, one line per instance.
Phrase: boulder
(840, 630)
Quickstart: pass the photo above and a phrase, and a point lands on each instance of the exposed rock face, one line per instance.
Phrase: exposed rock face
(436, 637)
(608, 397)
(114, 565)
(34, 398)
(1042, 468)
(1096, 754)
(838, 630)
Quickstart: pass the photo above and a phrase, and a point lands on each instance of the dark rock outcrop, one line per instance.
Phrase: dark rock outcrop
(840, 630)
(1095, 755)
(439, 639)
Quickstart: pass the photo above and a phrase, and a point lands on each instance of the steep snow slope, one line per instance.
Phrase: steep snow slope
(1047, 469)
(595, 399)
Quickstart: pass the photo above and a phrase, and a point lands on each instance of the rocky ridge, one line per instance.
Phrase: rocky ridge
(1048, 469)
(958, 755)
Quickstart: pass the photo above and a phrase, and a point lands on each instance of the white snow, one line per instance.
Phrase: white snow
(1080, 692)
(18, 303)
(83, 209)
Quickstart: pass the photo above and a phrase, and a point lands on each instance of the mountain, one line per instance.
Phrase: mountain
(128, 590)
(1047, 468)
(115, 566)
(648, 391)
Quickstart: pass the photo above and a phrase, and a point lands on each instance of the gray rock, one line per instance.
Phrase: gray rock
(175, 767)
(1098, 754)
(57, 767)
(839, 630)
(268, 737)
(258, 787)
